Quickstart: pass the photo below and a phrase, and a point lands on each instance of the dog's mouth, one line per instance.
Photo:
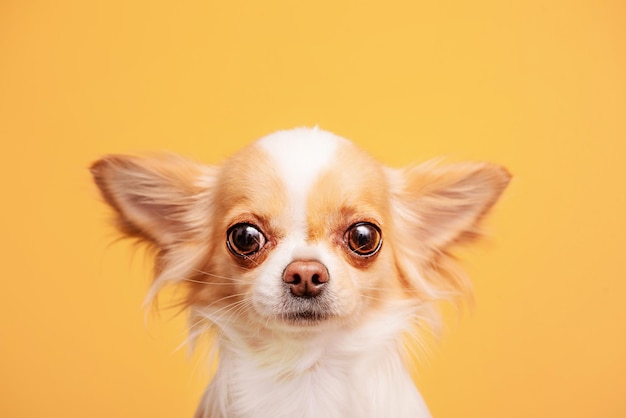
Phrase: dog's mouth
(298, 312)
(305, 317)
(306, 311)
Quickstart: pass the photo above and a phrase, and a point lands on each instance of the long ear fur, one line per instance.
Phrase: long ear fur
(435, 207)
(164, 200)
(154, 197)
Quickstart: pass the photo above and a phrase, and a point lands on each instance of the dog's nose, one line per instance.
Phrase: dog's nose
(306, 279)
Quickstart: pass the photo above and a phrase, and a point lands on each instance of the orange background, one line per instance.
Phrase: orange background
(535, 85)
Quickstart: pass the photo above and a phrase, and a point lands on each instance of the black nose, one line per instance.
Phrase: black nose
(306, 279)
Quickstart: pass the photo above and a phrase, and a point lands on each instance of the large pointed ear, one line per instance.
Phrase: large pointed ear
(441, 205)
(156, 198)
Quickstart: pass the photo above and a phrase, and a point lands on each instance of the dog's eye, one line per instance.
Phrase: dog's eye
(244, 239)
(364, 238)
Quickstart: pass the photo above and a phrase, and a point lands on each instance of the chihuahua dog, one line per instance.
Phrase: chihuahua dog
(310, 261)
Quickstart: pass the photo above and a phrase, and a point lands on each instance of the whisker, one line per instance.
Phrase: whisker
(217, 276)
(373, 298)
(373, 288)
(239, 266)
(238, 312)
(209, 311)
(251, 260)
(234, 295)
(208, 283)
(226, 310)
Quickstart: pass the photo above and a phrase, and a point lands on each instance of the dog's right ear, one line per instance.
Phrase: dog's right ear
(162, 199)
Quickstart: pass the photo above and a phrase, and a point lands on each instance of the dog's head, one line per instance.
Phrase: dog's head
(301, 228)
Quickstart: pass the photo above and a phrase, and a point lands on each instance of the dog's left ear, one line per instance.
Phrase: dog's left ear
(436, 206)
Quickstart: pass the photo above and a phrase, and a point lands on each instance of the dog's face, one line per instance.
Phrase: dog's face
(300, 229)
(301, 225)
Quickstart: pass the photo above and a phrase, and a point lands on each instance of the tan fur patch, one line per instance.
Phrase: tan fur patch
(247, 190)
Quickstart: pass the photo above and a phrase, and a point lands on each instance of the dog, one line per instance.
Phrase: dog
(310, 260)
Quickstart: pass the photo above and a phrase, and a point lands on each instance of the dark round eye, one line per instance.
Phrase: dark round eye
(364, 238)
(244, 239)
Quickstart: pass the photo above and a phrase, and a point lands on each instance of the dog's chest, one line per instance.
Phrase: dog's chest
(374, 385)
(317, 392)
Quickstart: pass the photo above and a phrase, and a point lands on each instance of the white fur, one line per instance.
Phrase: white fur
(300, 155)
(339, 373)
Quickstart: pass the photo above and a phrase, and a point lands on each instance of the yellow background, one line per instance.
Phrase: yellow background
(539, 86)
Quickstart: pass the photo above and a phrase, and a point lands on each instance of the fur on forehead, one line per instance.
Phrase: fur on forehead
(296, 173)
(300, 155)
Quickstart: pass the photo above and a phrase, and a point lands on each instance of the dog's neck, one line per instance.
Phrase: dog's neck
(338, 372)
